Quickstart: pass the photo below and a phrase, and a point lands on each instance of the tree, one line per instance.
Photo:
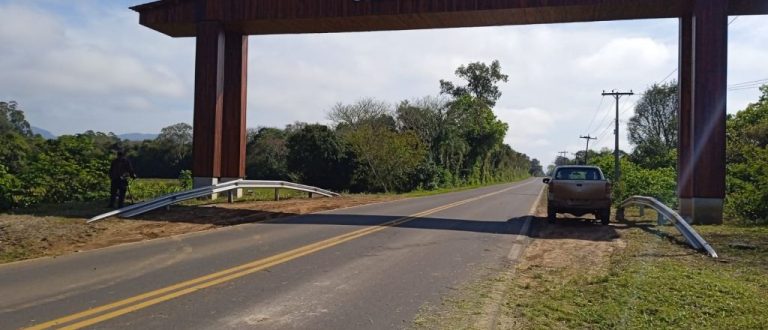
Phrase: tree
(424, 117)
(317, 157)
(390, 157)
(536, 168)
(481, 80)
(267, 154)
(747, 162)
(653, 128)
(12, 119)
(364, 111)
(176, 140)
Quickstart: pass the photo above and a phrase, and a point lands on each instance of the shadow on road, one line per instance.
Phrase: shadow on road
(582, 229)
(573, 228)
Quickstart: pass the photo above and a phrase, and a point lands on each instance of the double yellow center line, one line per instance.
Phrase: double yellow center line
(105, 312)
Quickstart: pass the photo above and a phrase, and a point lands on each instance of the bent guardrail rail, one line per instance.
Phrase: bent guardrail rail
(691, 236)
(163, 201)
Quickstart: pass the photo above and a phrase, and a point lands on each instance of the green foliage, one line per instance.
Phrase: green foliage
(317, 157)
(176, 141)
(390, 157)
(747, 163)
(185, 179)
(659, 183)
(146, 189)
(15, 150)
(267, 153)
(70, 168)
(12, 119)
(536, 168)
(653, 127)
(481, 82)
(9, 186)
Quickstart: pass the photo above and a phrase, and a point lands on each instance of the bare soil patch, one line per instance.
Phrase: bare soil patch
(26, 236)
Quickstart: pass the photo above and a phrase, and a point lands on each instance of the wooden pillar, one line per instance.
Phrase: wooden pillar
(235, 95)
(685, 117)
(709, 91)
(233, 136)
(209, 95)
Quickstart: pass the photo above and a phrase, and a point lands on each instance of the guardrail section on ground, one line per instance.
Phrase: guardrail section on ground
(160, 202)
(691, 236)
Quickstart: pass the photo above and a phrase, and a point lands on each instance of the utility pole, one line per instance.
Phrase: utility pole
(617, 95)
(562, 154)
(586, 151)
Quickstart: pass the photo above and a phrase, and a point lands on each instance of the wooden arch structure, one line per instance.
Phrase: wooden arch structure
(222, 28)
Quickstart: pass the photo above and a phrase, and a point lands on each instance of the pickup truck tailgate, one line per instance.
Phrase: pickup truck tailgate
(575, 191)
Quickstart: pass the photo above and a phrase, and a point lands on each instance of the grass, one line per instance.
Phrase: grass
(652, 287)
(654, 282)
(658, 282)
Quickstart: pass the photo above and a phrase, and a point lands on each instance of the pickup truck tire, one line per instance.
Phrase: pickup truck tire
(605, 216)
(551, 215)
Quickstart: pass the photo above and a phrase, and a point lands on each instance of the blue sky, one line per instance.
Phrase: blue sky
(79, 65)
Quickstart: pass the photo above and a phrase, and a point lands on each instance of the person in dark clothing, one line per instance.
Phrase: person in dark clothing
(119, 172)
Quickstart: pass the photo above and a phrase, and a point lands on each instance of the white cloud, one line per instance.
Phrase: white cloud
(621, 54)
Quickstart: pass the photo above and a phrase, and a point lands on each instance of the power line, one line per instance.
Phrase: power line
(667, 77)
(747, 85)
(759, 81)
(596, 112)
(608, 115)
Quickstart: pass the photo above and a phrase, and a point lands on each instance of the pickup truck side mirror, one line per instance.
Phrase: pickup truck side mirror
(546, 180)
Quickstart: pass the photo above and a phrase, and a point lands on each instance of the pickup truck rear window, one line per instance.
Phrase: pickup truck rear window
(578, 174)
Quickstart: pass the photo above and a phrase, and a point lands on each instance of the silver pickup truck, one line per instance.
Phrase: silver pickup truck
(579, 190)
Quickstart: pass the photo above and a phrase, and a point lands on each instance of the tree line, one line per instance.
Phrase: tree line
(453, 139)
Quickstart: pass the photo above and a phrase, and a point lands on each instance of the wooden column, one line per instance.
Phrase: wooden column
(235, 86)
(710, 62)
(685, 117)
(209, 96)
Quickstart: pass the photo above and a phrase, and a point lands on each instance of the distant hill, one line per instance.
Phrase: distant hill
(137, 136)
(128, 136)
(44, 133)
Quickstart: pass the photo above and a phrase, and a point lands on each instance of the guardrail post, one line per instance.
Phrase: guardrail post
(642, 210)
(277, 194)
(660, 219)
(620, 214)
(310, 195)
(230, 197)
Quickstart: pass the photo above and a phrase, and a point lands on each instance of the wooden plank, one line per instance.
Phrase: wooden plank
(209, 94)
(710, 62)
(233, 139)
(685, 110)
(178, 17)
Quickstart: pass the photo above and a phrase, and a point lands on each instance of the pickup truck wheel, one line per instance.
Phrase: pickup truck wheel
(551, 215)
(605, 217)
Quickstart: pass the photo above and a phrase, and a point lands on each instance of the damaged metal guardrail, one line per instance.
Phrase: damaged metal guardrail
(691, 236)
(160, 202)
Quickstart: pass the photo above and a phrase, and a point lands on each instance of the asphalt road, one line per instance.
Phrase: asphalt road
(369, 267)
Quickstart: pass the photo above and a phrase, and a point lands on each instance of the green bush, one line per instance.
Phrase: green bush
(145, 189)
(659, 183)
(70, 168)
(747, 163)
(8, 187)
